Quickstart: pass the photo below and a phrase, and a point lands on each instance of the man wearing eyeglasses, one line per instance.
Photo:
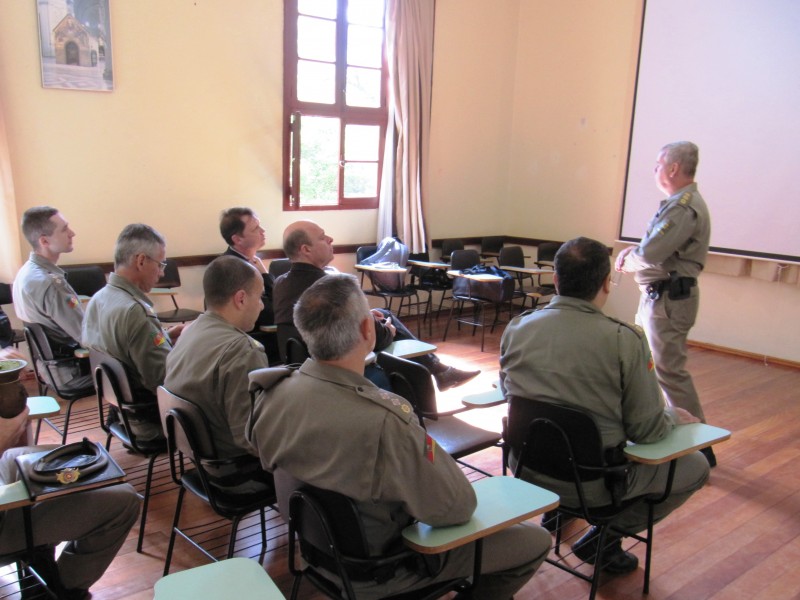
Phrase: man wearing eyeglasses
(42, 294)
(120, 319)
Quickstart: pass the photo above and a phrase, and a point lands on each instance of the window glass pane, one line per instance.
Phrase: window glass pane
(318, 8)
(319, 161)
(365, 12)
(316, 39)
(316, 82)
(364, 45)
(361, 142)
(360, 180)
(363, 87)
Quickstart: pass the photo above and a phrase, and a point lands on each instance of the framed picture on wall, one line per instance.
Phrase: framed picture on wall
(75, 44)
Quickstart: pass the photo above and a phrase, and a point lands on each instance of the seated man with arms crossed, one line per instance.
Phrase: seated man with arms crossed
(326, 425)
(42, 294)
(121, 322)
(569, 353)
(310, 251)
(209, 366)
(94, 523)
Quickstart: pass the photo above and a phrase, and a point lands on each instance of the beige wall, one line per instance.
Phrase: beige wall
(531, 112)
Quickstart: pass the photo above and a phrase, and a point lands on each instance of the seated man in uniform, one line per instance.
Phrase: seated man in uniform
(368, 445)
(121, 322)
(210, 364)
(94, 524)
(43, 296)
(241, 229)
(310, 251)
(570, 353)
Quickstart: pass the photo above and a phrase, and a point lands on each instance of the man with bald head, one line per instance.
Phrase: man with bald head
(310, 249)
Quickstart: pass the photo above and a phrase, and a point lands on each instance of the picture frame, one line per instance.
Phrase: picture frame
(75, 44)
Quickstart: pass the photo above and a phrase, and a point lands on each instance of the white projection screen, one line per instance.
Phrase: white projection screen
(724, 74)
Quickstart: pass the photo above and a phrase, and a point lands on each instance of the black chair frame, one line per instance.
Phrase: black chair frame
(114, 390)
(444, 286)
(413, 382)
(172, 279)
(564, 443)
(189, 441)
(44, 360)
(330, 534)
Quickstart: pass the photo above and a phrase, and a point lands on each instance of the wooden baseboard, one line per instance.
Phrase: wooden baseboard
(768, 360)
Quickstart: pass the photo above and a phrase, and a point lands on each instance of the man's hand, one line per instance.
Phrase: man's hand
(175, 331)
(619, 265)
(684, 416)
(11, 429)
(11, 352)
(384, 320)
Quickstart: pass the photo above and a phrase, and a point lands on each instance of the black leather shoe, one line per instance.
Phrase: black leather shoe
(613, 559)
(709, 454)
(452, 377)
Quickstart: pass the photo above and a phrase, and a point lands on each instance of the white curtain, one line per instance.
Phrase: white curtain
(409, 35)
(9, 227)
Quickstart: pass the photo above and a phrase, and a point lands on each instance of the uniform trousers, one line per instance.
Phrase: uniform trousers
(95, 524)
(666, 324)
(691, 473)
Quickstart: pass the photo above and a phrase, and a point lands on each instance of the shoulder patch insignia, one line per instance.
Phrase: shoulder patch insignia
(256, 344)
(686, 198)
(651, 364)
(430, 448)
(73, 302)
(159, 339)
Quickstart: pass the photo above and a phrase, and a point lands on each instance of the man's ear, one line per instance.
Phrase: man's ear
(366, 326)
(239, 298)
(555, 282)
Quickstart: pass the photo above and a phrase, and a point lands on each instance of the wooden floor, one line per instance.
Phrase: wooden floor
(739, 537)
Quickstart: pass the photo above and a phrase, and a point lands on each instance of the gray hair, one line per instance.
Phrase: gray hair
(136, 239)
(686, 154)
(36, 223)
(329, 314)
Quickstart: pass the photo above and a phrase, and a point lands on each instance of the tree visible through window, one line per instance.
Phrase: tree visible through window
(334, 103)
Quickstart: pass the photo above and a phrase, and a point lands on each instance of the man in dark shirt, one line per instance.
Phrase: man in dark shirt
(241, 229)
(311, 250)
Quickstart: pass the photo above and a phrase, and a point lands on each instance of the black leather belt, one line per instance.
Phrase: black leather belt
(678, 288)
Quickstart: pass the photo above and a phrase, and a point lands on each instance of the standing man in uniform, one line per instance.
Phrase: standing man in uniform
(120, 319)
(42, 294)
(241, 229)
(666, 264)
(328, 426)
(210, 365)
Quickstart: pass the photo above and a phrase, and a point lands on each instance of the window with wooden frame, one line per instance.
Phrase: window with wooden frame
(334, 103)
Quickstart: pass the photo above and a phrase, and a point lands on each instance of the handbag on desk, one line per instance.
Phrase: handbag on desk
(493, 291)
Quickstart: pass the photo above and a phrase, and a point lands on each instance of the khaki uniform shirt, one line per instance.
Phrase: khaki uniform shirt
(677, 239)
(209, 366)
(120, 321)
(570, 353)
(43, 296)
(336, 430)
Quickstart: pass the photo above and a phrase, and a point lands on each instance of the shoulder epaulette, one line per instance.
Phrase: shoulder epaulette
(685, 199)
(634, 328)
